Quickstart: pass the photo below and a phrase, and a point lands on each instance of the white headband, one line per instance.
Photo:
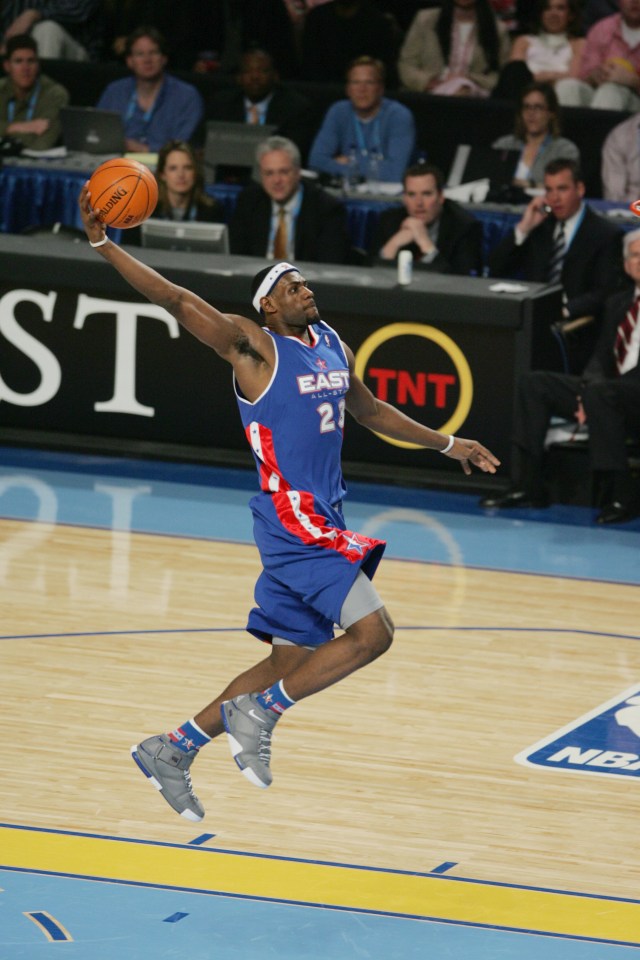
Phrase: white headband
(270, 281)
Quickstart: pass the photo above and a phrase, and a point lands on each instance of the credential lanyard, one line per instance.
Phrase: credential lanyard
(376, 146)
(31, 105)
(133, 104)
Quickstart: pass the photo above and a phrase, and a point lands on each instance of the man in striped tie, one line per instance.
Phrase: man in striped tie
(606, 397)
(560, 239)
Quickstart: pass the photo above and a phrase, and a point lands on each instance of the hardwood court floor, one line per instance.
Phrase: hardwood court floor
(124, 602)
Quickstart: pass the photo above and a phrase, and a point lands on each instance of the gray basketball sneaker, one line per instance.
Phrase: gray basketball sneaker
(249, 727)
(167, 768)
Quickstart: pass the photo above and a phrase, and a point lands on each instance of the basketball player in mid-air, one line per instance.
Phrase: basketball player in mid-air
(294, 380)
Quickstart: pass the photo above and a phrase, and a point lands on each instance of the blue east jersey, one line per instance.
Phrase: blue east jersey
(295, 430)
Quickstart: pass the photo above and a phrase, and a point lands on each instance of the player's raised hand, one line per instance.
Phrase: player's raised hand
(93, 228)
(470, 451)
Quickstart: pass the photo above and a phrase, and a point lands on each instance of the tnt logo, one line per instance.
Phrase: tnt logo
(428, 370)
(605, 741)
(411, 389)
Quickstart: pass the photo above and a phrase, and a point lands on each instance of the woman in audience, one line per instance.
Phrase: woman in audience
(181, 193)
(537, 135)
(456, 49)
(552, 52)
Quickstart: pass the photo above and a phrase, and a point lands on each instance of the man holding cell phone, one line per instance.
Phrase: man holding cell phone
(561, 240)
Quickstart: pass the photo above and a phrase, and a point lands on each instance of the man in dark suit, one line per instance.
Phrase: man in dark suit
(260, 98)
(440, 234)
(561, 240)
(282, 218)
(606, 397)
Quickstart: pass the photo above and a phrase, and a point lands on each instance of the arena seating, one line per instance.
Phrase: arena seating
(441, 122)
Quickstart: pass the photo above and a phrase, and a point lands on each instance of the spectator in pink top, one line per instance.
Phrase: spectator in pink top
(608, 73)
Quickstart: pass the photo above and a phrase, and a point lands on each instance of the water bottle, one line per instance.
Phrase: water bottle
(373, 170)
(350, 176)
(405, 267)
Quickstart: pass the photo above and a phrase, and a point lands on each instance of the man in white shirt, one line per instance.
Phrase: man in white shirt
(621, 162)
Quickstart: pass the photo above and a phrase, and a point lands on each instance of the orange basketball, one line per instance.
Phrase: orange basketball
(123, 193)
(635, 207)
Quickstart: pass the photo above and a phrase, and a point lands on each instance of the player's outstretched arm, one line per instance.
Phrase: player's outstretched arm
(383, 418)
(220, 331)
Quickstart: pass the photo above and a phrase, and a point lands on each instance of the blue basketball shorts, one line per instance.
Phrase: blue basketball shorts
(310, 562)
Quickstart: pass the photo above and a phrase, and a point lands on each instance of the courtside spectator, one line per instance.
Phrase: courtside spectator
(621, 161)
(440, 234)
(260, 98)
(455, 50)
(608, 76)
(30, 102)
(536, 136)
(282, 218)
(550, 52)
(374, 134)
(155, 106)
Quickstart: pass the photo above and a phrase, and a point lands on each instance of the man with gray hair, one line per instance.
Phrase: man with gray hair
(606, 397)
(284, 217)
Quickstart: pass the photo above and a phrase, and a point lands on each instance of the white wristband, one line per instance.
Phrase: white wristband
(449, 445)
(100, 243)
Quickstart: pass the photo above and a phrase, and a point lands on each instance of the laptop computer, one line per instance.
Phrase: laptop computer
(193, 236)
(483, 163)
(230, 150)
(87, 130)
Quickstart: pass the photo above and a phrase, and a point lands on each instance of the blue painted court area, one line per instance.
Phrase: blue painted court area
(421, 525)
(104, 921)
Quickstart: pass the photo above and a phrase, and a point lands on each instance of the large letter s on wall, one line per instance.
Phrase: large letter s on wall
(47, 364)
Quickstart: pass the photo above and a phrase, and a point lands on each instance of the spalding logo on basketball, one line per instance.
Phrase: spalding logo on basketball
(635, 207)
(124, 193)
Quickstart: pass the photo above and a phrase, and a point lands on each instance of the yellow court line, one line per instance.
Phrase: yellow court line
(435, 897)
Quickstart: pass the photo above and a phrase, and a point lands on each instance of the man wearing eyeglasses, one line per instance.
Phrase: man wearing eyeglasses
(156, 107)
(29, 101)
(367, 132)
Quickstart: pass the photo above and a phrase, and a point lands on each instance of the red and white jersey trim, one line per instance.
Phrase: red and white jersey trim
(296, 509)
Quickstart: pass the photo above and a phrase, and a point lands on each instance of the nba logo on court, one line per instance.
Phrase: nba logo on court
(605, 741)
